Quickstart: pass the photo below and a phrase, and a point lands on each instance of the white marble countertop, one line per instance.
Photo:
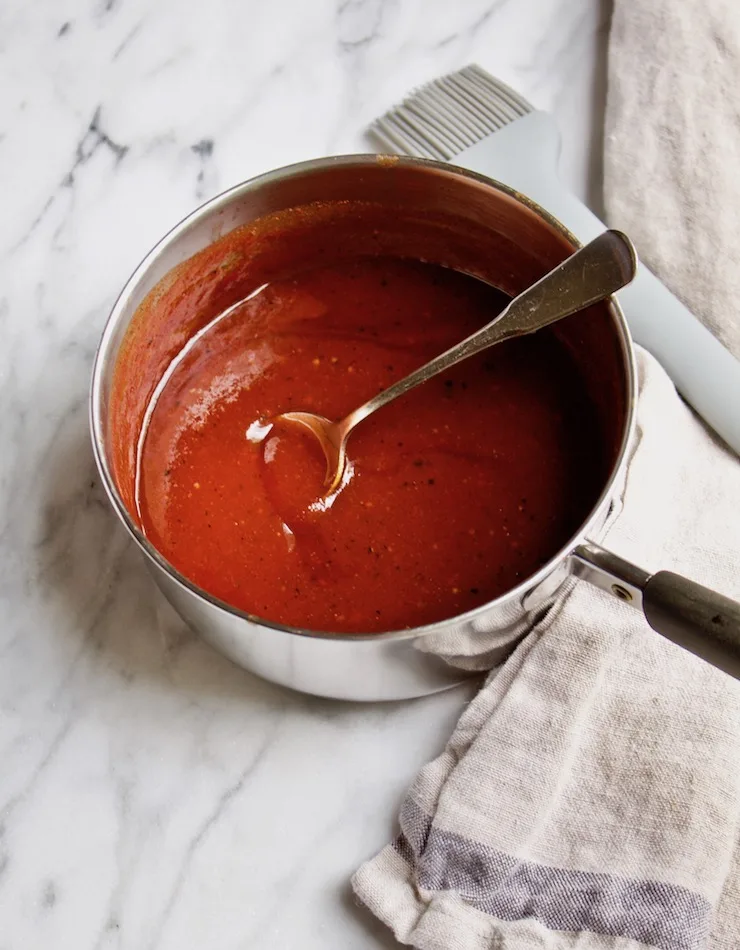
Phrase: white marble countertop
(152, 795)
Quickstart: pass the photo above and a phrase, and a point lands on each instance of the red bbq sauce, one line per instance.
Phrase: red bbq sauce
(460, 489)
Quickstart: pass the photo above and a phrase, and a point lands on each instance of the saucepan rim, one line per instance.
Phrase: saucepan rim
(221, 201)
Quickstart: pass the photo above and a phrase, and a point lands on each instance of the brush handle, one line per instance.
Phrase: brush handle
(524, 155)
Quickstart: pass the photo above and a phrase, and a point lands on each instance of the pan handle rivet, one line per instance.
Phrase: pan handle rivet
(621, 592)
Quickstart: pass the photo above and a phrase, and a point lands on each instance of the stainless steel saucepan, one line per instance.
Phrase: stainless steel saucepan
(435, 212)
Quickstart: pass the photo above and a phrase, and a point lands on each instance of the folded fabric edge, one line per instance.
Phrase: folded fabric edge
(511, 889)
(385, 885)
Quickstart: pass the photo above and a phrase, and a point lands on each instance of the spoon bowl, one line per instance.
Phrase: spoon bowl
(332, 437)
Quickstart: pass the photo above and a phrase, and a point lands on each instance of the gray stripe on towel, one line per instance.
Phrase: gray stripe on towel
(662, 915)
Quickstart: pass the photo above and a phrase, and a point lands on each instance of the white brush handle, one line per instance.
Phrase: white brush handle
(524, 156)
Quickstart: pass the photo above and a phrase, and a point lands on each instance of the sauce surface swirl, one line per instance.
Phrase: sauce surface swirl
(459, 490)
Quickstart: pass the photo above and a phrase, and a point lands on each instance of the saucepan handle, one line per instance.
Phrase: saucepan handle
(695, 617)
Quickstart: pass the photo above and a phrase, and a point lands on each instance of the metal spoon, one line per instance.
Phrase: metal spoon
(594, 272)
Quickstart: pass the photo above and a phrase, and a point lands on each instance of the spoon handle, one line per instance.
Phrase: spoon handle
(599, 269)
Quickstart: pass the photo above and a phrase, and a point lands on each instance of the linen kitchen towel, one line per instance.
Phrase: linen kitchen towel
(590, 795)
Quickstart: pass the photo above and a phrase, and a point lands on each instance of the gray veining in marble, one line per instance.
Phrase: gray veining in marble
(152, 796)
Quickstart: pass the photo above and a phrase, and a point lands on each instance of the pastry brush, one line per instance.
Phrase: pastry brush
(473, 120)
